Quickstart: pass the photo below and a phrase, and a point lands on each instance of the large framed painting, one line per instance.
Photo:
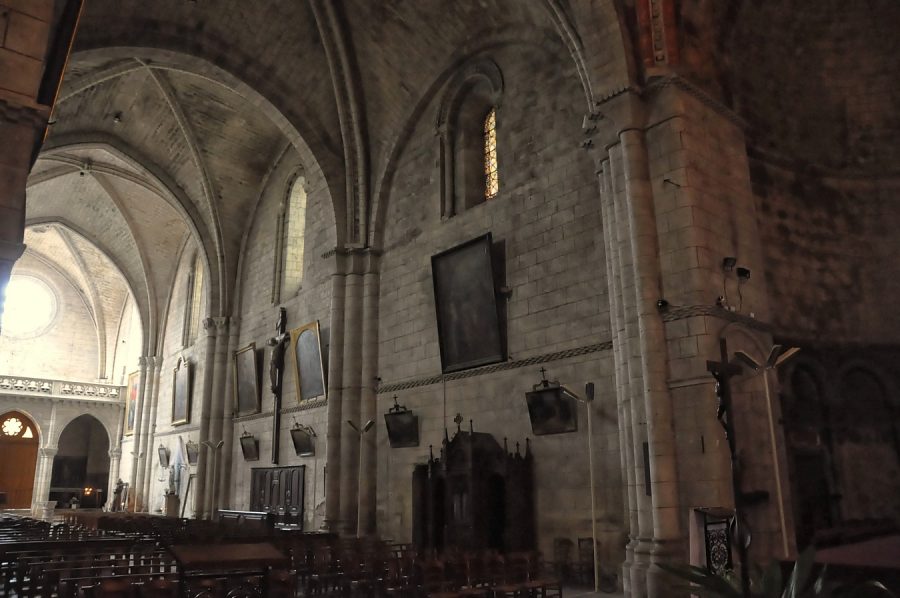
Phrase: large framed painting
(465, 300)
(131, 397)
(181, 392)
(246, 380)
(306, 353)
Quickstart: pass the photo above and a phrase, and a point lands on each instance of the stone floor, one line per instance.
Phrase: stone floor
(580, 592)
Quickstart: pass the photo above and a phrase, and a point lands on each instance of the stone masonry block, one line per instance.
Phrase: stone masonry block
(39, 9)
(19, 74)
(27, 35)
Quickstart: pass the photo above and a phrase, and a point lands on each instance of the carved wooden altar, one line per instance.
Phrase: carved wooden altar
(477, 495)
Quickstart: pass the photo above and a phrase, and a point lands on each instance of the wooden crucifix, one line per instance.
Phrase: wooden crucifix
(279, 344)
(723, 371)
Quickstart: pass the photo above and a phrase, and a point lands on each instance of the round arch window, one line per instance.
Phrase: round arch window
(30, 307)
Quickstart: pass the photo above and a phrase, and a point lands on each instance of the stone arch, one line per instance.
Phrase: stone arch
(27, 413)
(461, 104)
(97, 458)
(130, 283)
(195, 53)
(889, 400)
(819, 378)
(488, 41)
(108, 421)
(16, 476)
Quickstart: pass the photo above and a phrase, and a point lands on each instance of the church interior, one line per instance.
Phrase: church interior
(605, 283)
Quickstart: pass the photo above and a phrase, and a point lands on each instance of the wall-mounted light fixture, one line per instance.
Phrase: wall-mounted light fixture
(777, 356)
(365, 429)
(302, 436)
(249, 446)
(193, 452)
(402, 426)
(551, 407)
(163, 456)
(728, 263)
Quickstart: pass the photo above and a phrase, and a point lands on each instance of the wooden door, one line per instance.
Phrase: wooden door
(18, 456)
(278, 490)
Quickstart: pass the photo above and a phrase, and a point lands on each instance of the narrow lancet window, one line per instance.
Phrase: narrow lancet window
(491, 174)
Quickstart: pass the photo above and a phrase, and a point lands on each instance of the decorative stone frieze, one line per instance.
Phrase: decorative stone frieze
(57, 388)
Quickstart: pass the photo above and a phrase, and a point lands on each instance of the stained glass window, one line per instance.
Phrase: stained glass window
(491, 174)
(295, 226)
(12, 426)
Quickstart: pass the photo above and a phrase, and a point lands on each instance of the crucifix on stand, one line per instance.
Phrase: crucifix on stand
(723, 371)
(279, 344)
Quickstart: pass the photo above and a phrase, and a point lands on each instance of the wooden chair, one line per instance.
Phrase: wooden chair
(585, 566)
(114, 588)
(562, 558)
(159, 588)
(281, 584)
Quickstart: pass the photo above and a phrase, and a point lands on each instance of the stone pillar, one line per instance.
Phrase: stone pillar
(368, 398)
(350, 407)
(115, 460)
(654, 356)
(153, 371)
(335, 395)
(25, 28)
(137, 469)
(621, 370)
(676, 199)
(42, 474)
(204, 464)
(228, 408)
(217, 406)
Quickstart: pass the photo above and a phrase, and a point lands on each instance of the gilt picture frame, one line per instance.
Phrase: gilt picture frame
(181, 392)
(246, 381)
(306, 357)
(131, 399)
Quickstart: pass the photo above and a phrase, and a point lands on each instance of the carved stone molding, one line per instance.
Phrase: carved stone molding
(508, 365)
(35, 116)
(48, 452)
(58, 388)
(115, 453)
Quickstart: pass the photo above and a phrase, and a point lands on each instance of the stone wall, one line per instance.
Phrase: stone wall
(67, 350)
(547, 218)
(257, 324)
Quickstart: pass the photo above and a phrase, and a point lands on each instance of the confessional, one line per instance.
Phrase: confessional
(278, 490)
(476, 496)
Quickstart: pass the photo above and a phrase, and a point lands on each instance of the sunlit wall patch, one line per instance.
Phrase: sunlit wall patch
(30, 309)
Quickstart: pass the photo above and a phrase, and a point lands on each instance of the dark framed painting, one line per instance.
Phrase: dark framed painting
(246, 381)
(131, 399)
(181, 392)
(306, 354)
(465, 300)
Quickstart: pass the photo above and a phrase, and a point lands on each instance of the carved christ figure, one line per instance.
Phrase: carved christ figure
(279, 344)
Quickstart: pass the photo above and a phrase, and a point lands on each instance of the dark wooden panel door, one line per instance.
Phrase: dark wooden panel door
(278, 490)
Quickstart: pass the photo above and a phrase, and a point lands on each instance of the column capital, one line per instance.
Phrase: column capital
(10, 252)
(214, 325)
(35, 115)
(48, 451)
(115, 453)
